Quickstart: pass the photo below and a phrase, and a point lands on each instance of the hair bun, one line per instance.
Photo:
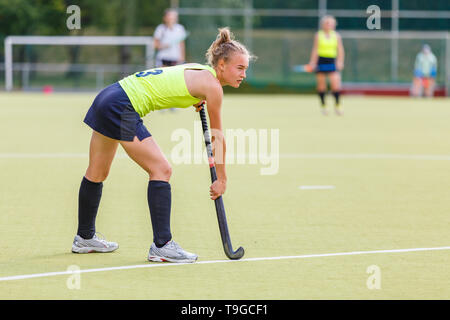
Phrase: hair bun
(224, 46)
(224, 36)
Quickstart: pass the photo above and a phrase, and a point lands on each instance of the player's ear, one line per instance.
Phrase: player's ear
(221, 64)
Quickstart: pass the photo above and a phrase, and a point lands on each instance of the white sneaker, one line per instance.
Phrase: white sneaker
(95, 244)
(170, 252)
(338, 111)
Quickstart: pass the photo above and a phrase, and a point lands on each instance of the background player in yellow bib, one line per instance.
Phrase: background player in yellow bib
(115, 117)
(327, 59)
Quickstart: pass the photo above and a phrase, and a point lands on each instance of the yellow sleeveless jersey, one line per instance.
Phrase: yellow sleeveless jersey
(327, 46)
(160, 88)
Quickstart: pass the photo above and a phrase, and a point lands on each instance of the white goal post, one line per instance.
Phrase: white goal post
(10, 41)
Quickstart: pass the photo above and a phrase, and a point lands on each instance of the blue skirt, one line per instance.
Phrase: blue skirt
(112, 115)
(326, 65)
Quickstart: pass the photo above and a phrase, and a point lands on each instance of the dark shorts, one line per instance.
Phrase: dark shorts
(112, 115)
(169, 63)
(326, 65)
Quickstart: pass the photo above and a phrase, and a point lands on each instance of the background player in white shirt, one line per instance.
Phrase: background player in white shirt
(169, 40)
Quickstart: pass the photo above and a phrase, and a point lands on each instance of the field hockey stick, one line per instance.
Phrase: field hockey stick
(302, 68)
(220, 209)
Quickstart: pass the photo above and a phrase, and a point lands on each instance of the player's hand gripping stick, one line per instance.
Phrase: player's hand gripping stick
(220, 209)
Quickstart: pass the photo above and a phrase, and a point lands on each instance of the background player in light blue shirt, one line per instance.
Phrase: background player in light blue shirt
(425, 69)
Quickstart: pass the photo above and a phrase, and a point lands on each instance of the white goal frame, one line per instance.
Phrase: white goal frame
(10, 41)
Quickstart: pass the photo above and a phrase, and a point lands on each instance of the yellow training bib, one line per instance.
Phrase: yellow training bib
(160, 88)
(327, 46)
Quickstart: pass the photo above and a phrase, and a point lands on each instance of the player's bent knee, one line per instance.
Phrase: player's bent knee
(165, 171)
(161, 172)
(96, 176)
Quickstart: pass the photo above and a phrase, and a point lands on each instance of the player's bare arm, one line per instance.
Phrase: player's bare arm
(313, 57)
(205, 86)
(341, 54)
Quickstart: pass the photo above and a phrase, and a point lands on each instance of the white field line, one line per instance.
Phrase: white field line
(48, 155)
(163, 265)
(249, 156)
(316, 187)
(364, 156)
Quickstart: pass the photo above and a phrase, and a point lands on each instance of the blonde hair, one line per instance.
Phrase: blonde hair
(327, 17)
(224, 46)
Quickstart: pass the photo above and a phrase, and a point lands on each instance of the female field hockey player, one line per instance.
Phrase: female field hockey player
(115, 117)
(327, 59)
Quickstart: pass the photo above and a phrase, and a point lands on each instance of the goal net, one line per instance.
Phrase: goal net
(75, 63)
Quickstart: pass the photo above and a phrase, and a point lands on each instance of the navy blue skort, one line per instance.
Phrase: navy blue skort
(113, 115)
(326, 65)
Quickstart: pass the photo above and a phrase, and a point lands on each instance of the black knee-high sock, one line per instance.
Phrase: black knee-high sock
(336, 95)
(159, 198)
(88, 202)
(322, 97)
